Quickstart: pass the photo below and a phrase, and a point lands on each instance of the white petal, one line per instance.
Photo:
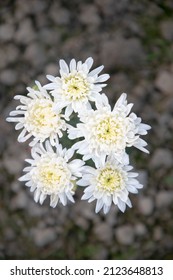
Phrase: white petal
(72, 64)
(64, 66)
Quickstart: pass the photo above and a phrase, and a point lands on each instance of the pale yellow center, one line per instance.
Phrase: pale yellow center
(40, 116)
(109, 180)
(52, 176)
(109, 131)
(75, 87)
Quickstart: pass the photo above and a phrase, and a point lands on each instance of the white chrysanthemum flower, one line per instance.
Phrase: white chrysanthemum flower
(52, 173)
(37, 118)
(76, 86)
(107, 131)
(109, 182)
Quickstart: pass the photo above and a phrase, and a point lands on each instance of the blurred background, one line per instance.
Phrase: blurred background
(134, 41)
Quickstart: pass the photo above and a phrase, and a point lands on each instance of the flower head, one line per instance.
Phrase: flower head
(76, 86)
(51, 173)
(107, 131)
(37, 118)
(109, 182)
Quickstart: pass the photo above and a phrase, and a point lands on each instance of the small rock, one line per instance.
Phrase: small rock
(59, 15)
(166, 28)
(8, 77)
(103, 232)
(164, 198)
(25, 34)
(125, 234)
(9, 234)
(120, 82)
(140, 229)
(20, 201)
(158, 233)
(161, 157)
(35, 54)
(122, 53)
(36, 210)
(6, 32)
(43, 236)
(11, 53)
(145, 205)
(164, 82)
(143, 177)
(52, 69)
(89, 15)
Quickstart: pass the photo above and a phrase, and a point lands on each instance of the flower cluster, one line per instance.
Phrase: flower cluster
(98, 158)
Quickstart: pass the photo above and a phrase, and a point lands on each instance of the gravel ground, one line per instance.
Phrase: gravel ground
(134, 41)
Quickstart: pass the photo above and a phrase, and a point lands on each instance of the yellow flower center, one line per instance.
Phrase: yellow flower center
(75, 87)
(40, 116)
(109, 180)
(110, 131)
(52, 176)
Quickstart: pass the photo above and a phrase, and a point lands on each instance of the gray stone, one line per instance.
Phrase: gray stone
(145, 205)
(35, 54)
(140, 229)
(25, 34)
(120, 82)
(158, 233)
(103, 232)
(125, 234)
(164, 199)
(11, 52)
(9, 234)
(89, 15)
(20, 201)
(6, 32)
(8, 77)
(122, 53)
(166, 28)
(52, 69)
(164, 82)
(43, 236)
(14, 157)
(143, 177)
(35, 209)
(4, 131)
(161, 157)
(59, 15)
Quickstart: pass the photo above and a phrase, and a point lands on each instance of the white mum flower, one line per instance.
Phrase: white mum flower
(77, 85)
(110, 182)
(37, 118)
(52, 174)
(107, 131)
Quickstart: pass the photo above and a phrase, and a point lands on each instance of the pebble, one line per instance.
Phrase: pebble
(6, 32)
(164, 199)
(166, 29)
(125, 234)
(60, 18)
(20, 201)
(145, 205)
(158, 233)
(122, 53)
(103, 232)
(35, 54)
(143, 177)
(89, 15)
(162, 157)
(164, 82)
(43, 236)
(25, 34)
(8, 77)
(140, 229)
